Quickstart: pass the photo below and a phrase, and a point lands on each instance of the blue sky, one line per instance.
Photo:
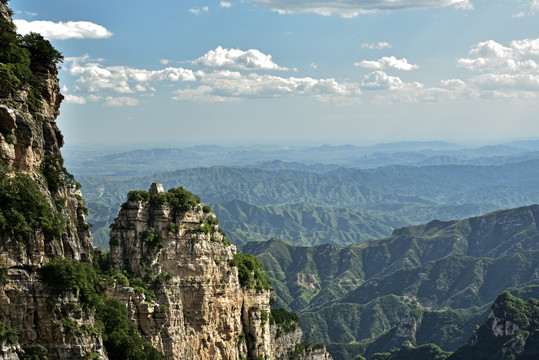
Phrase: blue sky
(185, 72)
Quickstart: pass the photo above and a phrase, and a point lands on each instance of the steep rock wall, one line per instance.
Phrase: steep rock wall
(208, 314)
(27, 139)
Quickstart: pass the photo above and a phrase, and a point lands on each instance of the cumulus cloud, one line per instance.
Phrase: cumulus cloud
(120, 101)
(529, 82)
(225, 84)
(251, 59)
(74, 99)
(378, 46)
(63, 30)
(352, 8)
(503, 67)
(199, 10)
(387, 62)
(379, 80)
(493, 56)
(93, 76)
(225, 4)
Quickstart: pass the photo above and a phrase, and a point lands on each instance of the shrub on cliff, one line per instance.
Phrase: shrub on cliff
(251, 272)
(41, 50)
(120, 336)
(76, 276)
(24, 208)
(138, 195)
(180, 199)
(19, 55)
(287, 321)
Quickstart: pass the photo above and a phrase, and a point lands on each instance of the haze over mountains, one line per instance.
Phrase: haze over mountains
(332, 227)
(329, 194)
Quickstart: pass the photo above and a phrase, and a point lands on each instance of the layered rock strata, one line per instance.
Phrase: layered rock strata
(201, 311)
(27, 305)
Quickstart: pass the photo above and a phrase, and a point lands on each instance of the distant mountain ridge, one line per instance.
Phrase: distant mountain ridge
(86, 162)
(390, 196)
(460, 266)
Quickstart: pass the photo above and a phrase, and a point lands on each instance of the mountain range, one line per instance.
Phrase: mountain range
(354, 298)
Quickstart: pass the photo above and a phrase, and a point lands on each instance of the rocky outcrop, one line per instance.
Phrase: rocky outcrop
(28, 139)
(509, 332)
(170, 265)
(201, 310)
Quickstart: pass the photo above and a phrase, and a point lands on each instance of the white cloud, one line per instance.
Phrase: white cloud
(199, 10)
(379, 45)
(231, 85)
(314, 66)
(94, 98)
(74, 99)
(528, 82)
(120, 101)
(63, 30)
(534, 6)
(27, 13)
(93, 76)
(226, 4)
(493, 56)
(164, 61)
(251, 59)
(505, 72)
(352, 8)
(387, 62)
(379, 80)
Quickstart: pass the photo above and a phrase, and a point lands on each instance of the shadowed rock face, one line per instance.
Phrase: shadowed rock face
(26, 303)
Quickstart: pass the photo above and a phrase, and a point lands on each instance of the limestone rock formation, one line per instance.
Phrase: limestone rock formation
(201, 310)
(30, 145)
(185, 288)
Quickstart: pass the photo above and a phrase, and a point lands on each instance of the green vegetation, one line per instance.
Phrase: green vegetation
(286, 321)
(36, 352)
(54, 172)
(450, 271)
(24, 208)
(520, 342)
(138, 195)
(121, 337)
(251, 272)
(179, 199)
(424, 352)
(342, 207)
(20, 55)
(41, 50)
(8, 334)
(206, 209)
(153, 239)
(75, 276)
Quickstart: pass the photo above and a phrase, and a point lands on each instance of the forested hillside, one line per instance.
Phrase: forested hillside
(347, 205)
(445, 273)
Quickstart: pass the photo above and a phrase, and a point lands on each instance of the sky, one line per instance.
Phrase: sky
(189, 72)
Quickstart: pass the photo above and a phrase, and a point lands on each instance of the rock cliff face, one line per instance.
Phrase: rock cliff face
(30, 145)
(509, 332)
(184, 286)
(201, 311)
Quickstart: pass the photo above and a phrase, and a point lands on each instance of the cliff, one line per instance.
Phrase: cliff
(41, 208)
(210, 302)
(171, 287)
